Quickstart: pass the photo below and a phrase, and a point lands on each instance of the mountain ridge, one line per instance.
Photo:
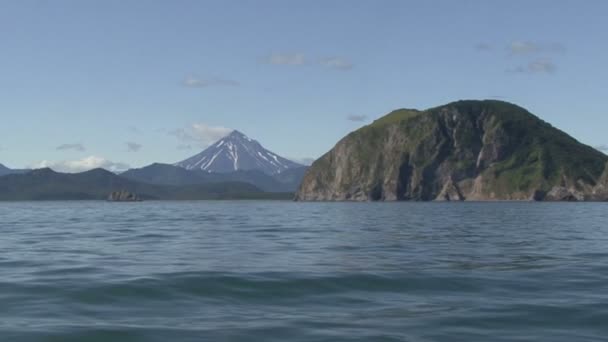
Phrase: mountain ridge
(4, 170)
(165, 174)
(236, 152)
(97, 184)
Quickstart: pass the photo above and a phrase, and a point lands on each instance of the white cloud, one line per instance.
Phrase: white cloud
(286, 59)
(200, 134)
(356, 118)
(133, 146)
(304, 161)
(539, 66)
(193, 81)
(338, 63)
(81, 165)
(75, 147)
(527, 47)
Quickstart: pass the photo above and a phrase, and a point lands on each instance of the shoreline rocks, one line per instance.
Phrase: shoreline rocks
(123, 196)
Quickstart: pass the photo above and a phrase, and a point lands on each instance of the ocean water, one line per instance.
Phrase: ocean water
(283, 271)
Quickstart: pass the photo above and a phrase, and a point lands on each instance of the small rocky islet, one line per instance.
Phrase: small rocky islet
(123, 196)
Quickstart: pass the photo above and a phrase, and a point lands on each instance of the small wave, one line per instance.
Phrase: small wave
(267, 288)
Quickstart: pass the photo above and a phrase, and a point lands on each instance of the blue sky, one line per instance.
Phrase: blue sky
(119, 83)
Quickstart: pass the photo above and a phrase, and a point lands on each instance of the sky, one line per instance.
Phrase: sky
(125, 83)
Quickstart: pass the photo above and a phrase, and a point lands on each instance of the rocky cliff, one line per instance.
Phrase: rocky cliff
(600, 192)
(466, 150)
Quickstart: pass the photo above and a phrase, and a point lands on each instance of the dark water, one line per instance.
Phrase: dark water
(282, 271)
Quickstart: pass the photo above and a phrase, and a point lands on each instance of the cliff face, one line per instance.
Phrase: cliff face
(466, 150)
(600, 192)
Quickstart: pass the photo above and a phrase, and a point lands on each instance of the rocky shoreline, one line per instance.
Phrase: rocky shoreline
(123, 196)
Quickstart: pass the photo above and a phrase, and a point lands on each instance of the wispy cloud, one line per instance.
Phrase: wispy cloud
(133, 146)
(81, 165)
(538, 66)
(338, 63)
(484, 47)
(527, 48)
(200, 134)
(356, 118)
(533, 57)
(299, 59)
(133, 129)
(286, 59)
(184, 147)
(74, 147)
(193, 81)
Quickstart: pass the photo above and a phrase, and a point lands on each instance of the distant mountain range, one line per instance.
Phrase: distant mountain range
(233, 158)
(6, 171)
(465, 150)
(237, 152)
(164, 174)
(233, 167)
(97, 184)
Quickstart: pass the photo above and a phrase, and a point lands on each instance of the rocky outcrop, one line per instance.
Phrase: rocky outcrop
(123, 196)
(600, 192)
(467, 150)
(560, 193)
(450, 192)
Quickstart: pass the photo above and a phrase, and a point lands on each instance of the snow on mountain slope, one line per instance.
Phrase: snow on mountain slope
(237, 152)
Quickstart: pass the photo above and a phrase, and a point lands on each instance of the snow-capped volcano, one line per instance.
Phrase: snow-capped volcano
(236, 152)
